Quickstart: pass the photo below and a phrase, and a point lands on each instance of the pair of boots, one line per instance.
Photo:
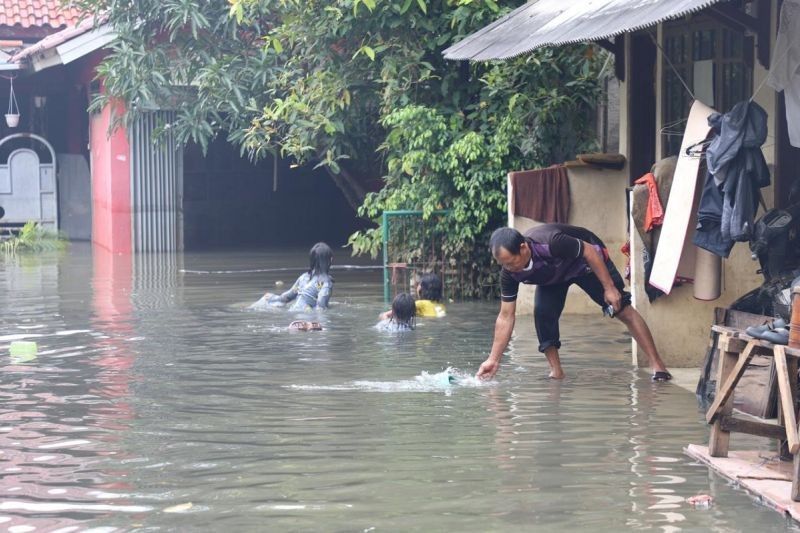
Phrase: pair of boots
(777, 332)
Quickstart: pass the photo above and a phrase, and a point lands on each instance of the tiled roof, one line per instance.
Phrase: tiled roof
(55, 39)
(37, 13)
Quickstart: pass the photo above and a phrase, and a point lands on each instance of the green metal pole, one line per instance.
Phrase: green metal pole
(385, 231)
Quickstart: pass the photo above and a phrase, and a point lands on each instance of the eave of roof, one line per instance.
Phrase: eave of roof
(559, 22)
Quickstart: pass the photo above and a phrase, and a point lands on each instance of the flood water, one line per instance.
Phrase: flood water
(158, 401)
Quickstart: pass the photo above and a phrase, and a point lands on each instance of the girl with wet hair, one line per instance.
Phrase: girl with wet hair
(403, 313)
(313, 288)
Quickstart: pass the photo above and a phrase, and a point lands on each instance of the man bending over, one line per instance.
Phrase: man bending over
(553, 257)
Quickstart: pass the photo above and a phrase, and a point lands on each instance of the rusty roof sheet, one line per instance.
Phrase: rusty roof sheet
(558, 22)
(38, 13)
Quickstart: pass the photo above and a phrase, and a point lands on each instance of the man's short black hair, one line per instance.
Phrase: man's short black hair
(507, 238)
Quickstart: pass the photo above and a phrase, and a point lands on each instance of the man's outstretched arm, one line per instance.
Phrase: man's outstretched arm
(503, 327)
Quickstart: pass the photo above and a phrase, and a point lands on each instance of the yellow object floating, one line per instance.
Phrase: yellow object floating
(23, 351)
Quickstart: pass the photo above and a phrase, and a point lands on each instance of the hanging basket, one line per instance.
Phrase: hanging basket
(12, 117)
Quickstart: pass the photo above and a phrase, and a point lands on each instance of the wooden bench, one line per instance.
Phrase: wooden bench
(736, 349)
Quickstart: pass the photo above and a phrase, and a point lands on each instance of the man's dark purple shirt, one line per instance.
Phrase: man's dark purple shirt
(556, 257)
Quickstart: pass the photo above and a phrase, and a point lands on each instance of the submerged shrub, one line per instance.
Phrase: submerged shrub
(33, 237)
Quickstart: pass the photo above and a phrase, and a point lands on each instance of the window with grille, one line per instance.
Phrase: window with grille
(692, 48)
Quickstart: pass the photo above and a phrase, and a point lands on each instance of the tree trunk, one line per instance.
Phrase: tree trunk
(352, 190)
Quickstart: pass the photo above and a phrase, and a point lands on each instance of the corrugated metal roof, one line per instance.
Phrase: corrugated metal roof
(558, 22)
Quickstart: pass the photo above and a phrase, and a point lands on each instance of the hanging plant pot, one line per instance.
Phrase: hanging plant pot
(12, 116)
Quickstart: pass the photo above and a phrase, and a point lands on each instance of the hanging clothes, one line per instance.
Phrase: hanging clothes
(784, 72)
(654, 215)
(541, 194)
(709, 220)
(737, 167)
(663, 172)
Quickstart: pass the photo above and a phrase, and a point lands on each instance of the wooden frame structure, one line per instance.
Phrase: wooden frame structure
(736, 349)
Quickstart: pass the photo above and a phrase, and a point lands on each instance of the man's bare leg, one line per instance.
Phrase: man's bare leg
(556, 372)
(641, 334)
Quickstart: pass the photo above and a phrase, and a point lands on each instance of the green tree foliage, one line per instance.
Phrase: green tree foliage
(360, 88)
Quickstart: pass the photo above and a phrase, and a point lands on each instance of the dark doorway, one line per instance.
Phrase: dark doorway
(641, 105)
(231, 202)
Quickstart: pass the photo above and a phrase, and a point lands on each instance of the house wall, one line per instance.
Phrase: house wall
(679, 322)
(597, 202)
(111, 184)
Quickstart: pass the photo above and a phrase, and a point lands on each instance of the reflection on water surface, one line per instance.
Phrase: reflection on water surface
(158, 401)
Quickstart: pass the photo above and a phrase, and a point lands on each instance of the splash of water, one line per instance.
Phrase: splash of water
(444, 381)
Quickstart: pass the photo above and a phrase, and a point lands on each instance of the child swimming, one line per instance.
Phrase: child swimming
(429, 295)
(312, 290)
(402, 314)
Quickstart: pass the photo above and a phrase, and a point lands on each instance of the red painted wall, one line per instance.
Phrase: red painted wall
(111, 184)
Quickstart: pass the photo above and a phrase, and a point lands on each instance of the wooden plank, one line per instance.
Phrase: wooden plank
(769, 409)
(741, 319)
(712, 354)
(719, 439)
(752, 427)
(791, 370)
(725, 393)
(681, 198)
(741, 335)
(795, 494)
(731, 343)
(787, 402)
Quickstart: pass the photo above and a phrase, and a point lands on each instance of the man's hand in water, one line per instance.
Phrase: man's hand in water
(488, 369)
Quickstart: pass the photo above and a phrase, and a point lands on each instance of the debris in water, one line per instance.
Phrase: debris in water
(182, 508)
(701, 501)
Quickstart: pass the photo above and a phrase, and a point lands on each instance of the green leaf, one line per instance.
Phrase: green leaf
(405, 7)
(276, 44)
(370, 4)
(423, 6)
(370, 53)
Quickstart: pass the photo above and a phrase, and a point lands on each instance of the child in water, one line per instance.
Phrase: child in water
(429, 296)
(312, 290)
(402, 314)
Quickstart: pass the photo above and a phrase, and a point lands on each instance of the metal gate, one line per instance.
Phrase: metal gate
(28, 190)
(156, 184)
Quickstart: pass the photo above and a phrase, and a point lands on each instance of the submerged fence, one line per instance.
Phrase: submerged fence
(411, 246)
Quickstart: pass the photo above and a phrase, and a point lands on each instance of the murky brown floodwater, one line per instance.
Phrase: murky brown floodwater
(159, 402)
